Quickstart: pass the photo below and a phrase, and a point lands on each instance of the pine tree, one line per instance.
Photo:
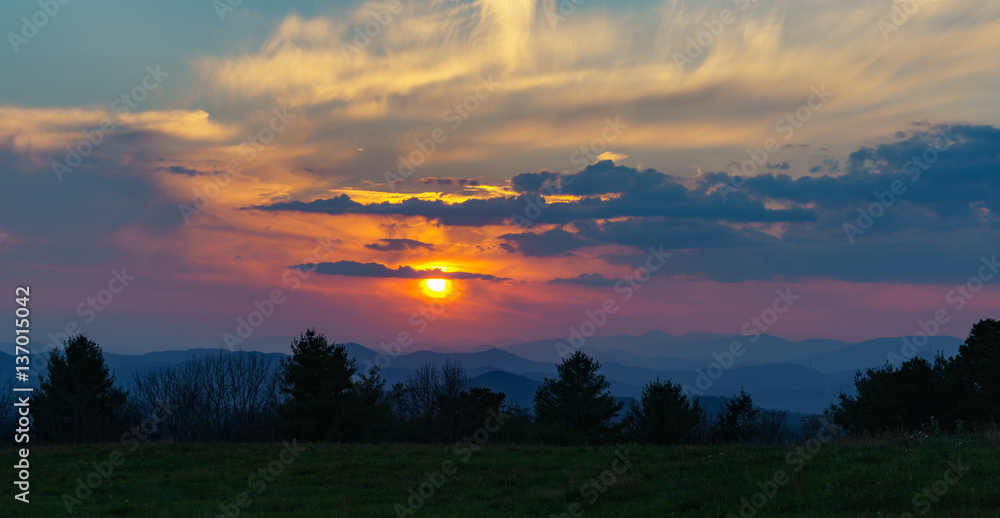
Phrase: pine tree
(78, 400)
(579, 398)
(666, 415)
(737, 420)
(320, 400)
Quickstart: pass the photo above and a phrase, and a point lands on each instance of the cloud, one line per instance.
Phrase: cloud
(471, 182)
(590, 280)
(356, 269)
(398, 245)
(642, 194)
(552, 242)
(176, 169)
(558, 84)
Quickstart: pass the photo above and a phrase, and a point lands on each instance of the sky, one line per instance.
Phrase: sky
(214, 173)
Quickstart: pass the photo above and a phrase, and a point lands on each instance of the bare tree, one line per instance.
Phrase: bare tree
(227, 397)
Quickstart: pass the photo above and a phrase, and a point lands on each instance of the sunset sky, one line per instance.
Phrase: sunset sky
(214, 152)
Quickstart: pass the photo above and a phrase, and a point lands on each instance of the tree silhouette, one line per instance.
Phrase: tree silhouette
(435, 403)
(666, 415)
(737, 420)
(975, 371)
(321, 402)
(78, 400)
(578, 399)
(966, 387)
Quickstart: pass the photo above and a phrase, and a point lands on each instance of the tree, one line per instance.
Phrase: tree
(436, 403)
(890, 398)
(418, 399)
(737, 420)
(223, 397)
(975, 371)
(666, 415)
(78, 400)
(965, 387)
(578, 399)
(461, 415)
(373, 409)
(320, 399)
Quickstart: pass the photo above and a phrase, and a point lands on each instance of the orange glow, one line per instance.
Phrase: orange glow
(436, 288)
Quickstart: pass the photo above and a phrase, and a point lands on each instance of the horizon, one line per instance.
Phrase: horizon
(430, 344)
(619, 169)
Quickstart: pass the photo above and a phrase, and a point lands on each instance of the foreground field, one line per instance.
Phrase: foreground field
(944, 477)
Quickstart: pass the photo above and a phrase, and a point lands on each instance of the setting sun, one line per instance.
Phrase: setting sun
(436, 287)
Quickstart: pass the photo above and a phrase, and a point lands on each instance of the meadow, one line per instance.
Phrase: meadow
(872, 477)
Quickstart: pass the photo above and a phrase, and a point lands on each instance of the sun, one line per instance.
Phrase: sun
(438, 285)
(436, 288)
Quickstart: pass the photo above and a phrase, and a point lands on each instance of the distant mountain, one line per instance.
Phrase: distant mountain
(804, 376)
(517, 388)
(680, 352)
(873, 353)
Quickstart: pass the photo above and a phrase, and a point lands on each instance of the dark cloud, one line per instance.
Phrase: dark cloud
(784, 166)
(462, 182)
(642, 194)
(534, 182)
(176, 169)
(590, 280)
(675, 234)
(398, 245)
(356, 269)
(773, 225)
(552, 242)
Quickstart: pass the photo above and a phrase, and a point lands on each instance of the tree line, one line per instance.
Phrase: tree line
(318, 394)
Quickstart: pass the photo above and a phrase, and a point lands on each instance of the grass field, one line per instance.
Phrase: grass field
(859, 478)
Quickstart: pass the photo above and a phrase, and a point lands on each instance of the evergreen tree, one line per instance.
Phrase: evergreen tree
(737, 420)
(975, 372)
(78, 400)
(578, 399)
(320, 399)
(666, 415)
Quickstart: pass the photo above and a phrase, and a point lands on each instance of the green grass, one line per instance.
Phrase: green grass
(858, 478)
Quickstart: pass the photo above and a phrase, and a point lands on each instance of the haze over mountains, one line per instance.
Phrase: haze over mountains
(804, 376)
